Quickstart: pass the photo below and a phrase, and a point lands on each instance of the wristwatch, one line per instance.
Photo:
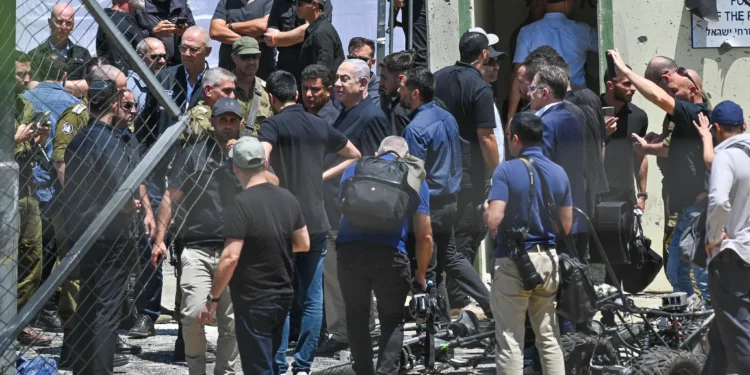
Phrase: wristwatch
(230, 26)
(211, 299)
(642, 195)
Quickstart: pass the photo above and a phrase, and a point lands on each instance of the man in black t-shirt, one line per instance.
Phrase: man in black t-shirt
(295, 143)
(121, 14)
(686, 174)
(322, 43)
(264, 228)
(236, 18)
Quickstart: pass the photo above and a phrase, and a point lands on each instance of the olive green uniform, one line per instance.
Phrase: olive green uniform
(72, 120)
(246, 102)
(30, 229)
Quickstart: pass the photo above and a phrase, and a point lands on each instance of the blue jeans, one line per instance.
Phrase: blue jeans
(308, 287)
(678, 270)
(149, 283)
(259, 329)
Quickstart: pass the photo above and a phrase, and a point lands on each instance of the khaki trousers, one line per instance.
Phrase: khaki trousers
(510, 302)
(198, 270)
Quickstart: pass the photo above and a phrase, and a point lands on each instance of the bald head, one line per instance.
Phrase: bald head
(197, 34)
(659, 66)
(696, 79)
(61, 23)
(109, 73)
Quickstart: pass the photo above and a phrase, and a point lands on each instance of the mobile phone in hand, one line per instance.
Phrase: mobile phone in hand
(182, 22)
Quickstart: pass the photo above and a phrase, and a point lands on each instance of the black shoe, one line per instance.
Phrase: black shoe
(210, 348)
(143, 328)
(121, 360)
(48, 321)
(330, 348)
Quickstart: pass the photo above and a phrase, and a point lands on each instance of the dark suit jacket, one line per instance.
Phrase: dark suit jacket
(149, 17)
(563, 143)
(365, 125)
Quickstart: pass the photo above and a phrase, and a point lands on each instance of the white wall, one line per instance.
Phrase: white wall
(350, 17)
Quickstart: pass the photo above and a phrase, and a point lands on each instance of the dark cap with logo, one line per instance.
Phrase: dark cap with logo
(727, 113)
(226, 105)
(246, 46)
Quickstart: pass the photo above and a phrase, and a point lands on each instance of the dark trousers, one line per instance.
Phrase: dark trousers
(94, 337)
(729, 336)
(363, 268)
(418, 32)
(148, 284)
(259, 328)
(470, 230)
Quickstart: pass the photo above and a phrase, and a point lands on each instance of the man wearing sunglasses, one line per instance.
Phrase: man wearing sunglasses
(364, 49)
(250, 89)
(167, 20)
(152, 52)
(686, 174)
(61, 24)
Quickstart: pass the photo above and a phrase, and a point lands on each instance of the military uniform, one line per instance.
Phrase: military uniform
(72, 120)
(30, 230)
(246, 102)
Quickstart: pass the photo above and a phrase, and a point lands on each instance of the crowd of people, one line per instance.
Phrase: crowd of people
(305, 189)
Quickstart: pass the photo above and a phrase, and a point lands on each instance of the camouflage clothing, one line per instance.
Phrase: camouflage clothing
(246, 101)
(199, 125)
(30, 221)
(73, 119)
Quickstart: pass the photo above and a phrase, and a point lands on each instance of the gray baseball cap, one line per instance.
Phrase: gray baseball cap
(248, 153)
(226, 105)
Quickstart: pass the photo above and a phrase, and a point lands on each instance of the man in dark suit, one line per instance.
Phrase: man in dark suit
(182, 82)
(562, 142)
(161, 19)
(365, 124)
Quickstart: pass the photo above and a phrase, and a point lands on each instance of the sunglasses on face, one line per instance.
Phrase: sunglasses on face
(185, 49)
(158, 56)
(254, 56)
(352, 57)
(493, 62)
(127, 105)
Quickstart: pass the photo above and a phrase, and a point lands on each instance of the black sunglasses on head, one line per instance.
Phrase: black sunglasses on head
(352, 57)
(684, 73)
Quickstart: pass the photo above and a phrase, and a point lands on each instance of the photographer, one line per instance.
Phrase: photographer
(526, 265)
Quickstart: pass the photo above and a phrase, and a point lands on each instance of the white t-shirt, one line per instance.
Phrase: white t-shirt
(499, 135)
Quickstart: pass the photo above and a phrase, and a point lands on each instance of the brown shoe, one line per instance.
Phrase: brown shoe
(29, 336)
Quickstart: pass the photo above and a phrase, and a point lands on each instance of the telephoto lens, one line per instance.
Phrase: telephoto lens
(529, 276)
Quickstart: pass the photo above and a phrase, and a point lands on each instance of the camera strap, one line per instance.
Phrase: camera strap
(532, 191)
(552, 210)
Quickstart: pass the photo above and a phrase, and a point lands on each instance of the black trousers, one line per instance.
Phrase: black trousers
(365, 267)
(418, 32)
(729, 336)
(470, 230)
(104, 275)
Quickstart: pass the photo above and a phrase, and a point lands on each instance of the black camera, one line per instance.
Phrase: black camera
(515, 241)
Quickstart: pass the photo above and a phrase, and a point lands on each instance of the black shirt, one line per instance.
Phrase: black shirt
(284, 18)
(300, 142)
(201, 174)
(594, 132)
(241, 11)
(469, 99)
(265, 217)
(322, 45)
(619, 161)
(169, 10)
(686, 172)
(329, 113)
(98, 159)
(128, 26)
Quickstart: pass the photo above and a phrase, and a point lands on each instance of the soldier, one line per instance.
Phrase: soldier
(217, 83)
(30, 253)
(250, 90)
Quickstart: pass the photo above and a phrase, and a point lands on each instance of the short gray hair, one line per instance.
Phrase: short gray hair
(361, 69)
(395, 144)
(555, 79)
(145, 45)
(202, 34)
(214, 76)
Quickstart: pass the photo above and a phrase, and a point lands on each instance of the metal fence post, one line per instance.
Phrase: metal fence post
(380, 52)
(8, 186)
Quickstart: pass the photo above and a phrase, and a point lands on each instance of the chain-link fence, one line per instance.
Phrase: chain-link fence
(93, 138)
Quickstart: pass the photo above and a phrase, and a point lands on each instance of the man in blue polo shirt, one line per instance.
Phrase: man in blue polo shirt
(368, 262)
(510, 206)
(432, 136)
